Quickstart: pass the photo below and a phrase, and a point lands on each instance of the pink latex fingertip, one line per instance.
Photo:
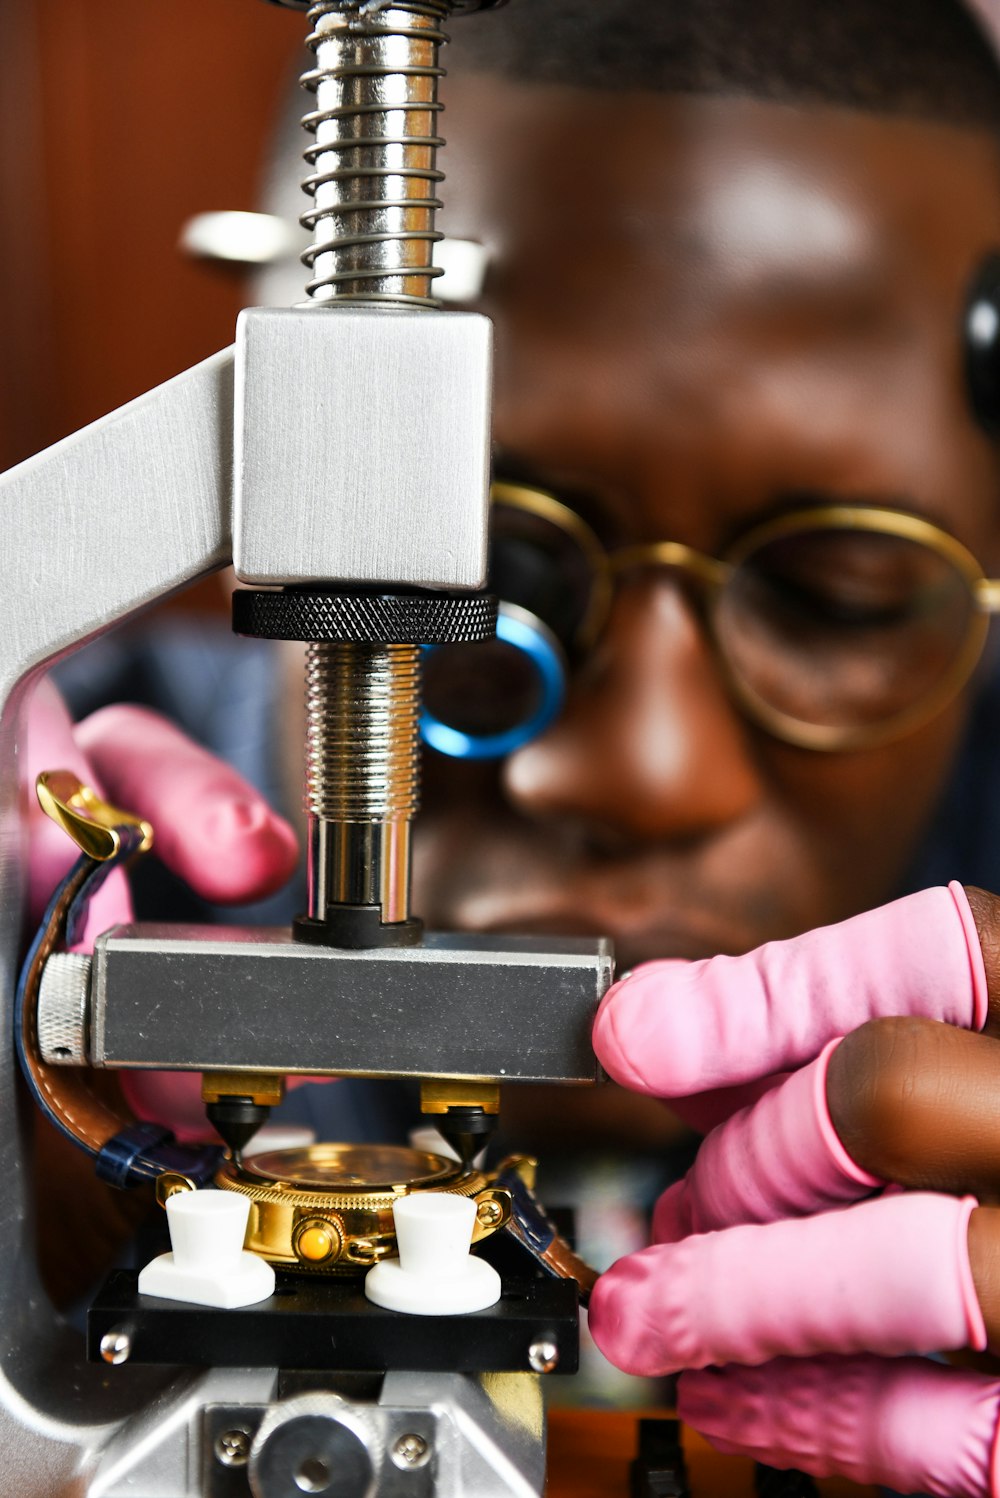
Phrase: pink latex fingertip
(706, 1110)
(967, 1285)
(889, 1275)
(672, 1215)
(242, 850)
(212, 827)
(779, 1157)
(677, 1028)
(841, 1161)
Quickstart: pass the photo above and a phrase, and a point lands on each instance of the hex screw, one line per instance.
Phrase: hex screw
(116, 1345)
(543, 1357)
(232, 1447)
(411, 1451)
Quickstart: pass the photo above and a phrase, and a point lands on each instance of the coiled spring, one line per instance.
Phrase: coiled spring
(374, 174)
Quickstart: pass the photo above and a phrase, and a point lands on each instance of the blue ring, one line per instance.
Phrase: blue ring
(528, 634)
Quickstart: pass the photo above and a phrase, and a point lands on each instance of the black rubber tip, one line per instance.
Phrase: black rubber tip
(236, 1120)
(467, 1130)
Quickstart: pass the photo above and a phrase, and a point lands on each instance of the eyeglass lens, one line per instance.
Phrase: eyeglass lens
(831, 627)
(843, 628)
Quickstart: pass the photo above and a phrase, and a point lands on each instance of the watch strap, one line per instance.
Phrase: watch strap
(87, 1106)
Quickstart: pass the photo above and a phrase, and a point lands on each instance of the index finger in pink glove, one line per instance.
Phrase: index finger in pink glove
(906, 1422)
(212, 827)
(677, 1028)
(779, 1157)
(889, 1276)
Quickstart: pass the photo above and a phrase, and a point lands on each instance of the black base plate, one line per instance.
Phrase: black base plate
(317, 1324)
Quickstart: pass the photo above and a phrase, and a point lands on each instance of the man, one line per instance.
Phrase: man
(732, 248)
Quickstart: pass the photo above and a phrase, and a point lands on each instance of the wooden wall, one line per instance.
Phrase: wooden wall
(118, 120)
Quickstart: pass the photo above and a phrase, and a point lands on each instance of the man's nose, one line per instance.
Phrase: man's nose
(649, 745)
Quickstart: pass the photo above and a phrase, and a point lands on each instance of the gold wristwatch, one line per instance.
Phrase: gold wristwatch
(327, 1208)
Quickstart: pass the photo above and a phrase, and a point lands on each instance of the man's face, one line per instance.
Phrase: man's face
(707, 309)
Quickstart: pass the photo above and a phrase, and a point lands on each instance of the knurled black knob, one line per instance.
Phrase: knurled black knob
(364, 619)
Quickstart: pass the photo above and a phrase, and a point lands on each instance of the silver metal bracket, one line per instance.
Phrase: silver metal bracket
(362, 446)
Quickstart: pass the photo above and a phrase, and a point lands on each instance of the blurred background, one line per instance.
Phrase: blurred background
(119, 121)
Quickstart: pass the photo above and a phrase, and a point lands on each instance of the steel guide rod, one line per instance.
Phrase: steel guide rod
(374, 184)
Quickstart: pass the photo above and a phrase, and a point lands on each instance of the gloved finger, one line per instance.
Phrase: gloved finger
(888, 1276)
(212, 827)
(676, 1028)
(779, 1157)
(908, 1100)
(906, 1422)
(50, 744)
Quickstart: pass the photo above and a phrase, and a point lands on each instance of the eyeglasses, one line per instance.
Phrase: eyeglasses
(836, 627)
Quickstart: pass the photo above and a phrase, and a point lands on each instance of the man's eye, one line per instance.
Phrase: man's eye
(851, 581)
(838, 603)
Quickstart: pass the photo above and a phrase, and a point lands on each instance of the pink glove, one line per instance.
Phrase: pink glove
(735, 1019)
(909, 1423)
(888, 1276)
(212, 829)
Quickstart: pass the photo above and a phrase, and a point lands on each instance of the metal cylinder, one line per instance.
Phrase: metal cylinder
(362, 775)
(374, 162)
(374, 183)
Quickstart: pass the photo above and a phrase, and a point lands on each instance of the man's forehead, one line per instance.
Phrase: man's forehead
(733, 193)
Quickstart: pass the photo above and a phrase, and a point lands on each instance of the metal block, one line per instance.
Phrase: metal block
(234, 998)
(362, 446)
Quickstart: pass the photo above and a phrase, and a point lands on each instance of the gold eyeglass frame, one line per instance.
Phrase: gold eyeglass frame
(712, 573)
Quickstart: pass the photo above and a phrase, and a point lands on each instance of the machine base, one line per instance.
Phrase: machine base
(330, 1325)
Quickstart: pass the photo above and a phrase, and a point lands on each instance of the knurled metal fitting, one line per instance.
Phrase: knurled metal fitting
(64, 1009)
(369, 619)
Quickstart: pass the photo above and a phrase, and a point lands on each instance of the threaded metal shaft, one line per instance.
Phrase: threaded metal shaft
(374, 163)
(362, 775)
(374, 181)
(362, 734)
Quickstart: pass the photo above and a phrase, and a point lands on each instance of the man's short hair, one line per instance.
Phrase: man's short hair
(923, 58)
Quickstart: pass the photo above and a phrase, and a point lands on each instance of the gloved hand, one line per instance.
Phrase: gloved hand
(785, 1265)
(212, 829)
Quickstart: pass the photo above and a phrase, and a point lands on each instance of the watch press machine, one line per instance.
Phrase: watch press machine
(339, 456)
